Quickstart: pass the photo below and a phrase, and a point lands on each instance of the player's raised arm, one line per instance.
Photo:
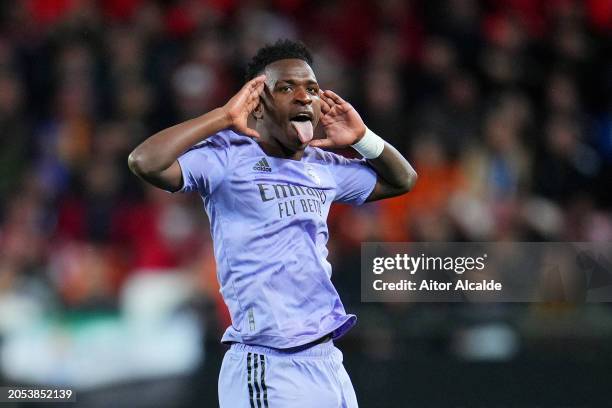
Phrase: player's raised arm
(344, 127)
(155, 159)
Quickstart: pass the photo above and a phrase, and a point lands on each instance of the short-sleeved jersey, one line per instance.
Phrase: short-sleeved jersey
(268, 220)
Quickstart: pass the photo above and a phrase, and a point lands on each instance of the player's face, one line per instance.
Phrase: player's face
(291, 104)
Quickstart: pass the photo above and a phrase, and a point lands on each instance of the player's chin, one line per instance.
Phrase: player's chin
(299, 145)
(293, 144)
(294, 141)
(302, 145)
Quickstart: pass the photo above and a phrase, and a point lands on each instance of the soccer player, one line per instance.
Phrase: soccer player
(267, 190)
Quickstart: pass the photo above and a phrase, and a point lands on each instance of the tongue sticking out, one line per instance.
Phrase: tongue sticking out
(304, 130)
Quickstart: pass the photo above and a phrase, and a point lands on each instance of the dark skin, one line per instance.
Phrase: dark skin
(286, 88)
(291, 88)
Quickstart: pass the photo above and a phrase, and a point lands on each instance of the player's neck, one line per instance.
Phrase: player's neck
(274, 148)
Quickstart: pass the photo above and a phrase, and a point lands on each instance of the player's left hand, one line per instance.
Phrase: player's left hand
(341, 123)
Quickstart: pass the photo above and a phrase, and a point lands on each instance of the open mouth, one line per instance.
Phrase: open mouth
(302, 123)
(301, 117)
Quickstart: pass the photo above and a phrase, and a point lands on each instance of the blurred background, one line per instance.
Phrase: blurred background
(108, 286)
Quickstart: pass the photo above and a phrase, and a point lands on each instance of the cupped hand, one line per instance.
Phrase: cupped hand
(240, 106)
(341, 123)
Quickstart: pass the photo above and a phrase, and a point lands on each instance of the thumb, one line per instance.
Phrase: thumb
(250, 132)
(322, 143)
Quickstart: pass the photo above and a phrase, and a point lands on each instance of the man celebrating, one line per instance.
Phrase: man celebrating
(267, 190)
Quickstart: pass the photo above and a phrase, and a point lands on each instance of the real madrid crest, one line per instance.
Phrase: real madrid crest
(313, 175)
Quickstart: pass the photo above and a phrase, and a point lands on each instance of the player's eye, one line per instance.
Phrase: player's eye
(285, 88)
(313, 90)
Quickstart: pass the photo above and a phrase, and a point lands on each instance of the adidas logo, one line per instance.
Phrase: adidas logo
(262, 165)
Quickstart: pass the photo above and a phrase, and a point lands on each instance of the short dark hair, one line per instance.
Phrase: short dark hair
(282, 49)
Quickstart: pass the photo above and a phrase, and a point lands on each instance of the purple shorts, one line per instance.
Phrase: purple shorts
(262, 377)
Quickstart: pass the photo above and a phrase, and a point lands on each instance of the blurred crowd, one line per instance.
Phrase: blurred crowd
(503, 107)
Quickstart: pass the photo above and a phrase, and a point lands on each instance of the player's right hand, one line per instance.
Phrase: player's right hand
(240, 106)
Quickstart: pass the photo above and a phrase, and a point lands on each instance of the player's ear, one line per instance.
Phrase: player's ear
(258, 111)
(264, 98)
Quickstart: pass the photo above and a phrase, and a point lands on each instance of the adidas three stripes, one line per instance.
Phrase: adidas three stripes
(253, 360)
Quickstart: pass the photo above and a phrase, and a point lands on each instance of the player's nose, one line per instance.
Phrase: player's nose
(301, 96)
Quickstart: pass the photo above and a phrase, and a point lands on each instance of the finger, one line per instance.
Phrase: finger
(260, 88)
(332, 95)
(250, 132)
(325, 108)
(251, 105)
(322, 143)
(330, 102)
(254, 83)
(256, 93)
(254, 97)
(257, 80)
(259, 83)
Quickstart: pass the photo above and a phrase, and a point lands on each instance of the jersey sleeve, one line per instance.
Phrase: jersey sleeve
(204, 166)
(355, 179)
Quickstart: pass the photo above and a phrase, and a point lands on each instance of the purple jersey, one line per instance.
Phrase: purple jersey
(268, 221)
